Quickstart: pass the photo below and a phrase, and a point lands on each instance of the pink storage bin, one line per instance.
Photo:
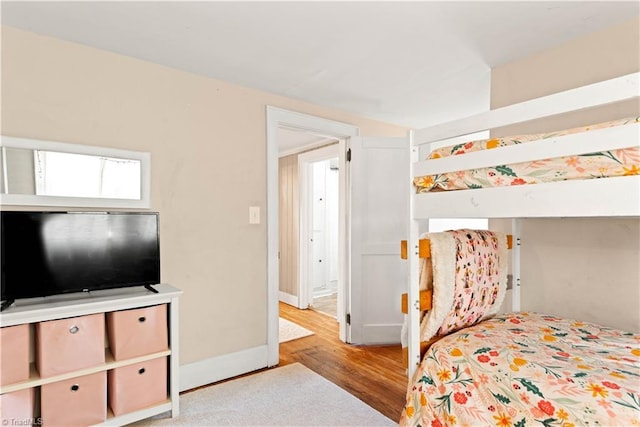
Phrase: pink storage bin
(14, 354)
(79, 401)
(137, 332)
(137, 386)
(16, 408)
(67, 345)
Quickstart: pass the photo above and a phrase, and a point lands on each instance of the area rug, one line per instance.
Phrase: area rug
(292, 395)
(289, 331)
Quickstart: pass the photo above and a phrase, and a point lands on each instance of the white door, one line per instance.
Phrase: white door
(379, 203)
(318, 261)
(337, 241)
(323, 261)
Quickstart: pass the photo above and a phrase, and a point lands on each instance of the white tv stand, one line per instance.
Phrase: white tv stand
(62, 306)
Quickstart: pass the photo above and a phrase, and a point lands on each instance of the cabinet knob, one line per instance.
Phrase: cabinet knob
(74, 329)
(142, 319)
(141, 371)
(75, 387)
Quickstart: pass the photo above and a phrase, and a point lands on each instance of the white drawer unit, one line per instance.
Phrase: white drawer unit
(66, 328)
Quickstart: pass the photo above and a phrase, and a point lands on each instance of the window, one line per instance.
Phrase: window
(79, 175)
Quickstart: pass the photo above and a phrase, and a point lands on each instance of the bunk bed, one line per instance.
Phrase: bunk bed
(493, 370)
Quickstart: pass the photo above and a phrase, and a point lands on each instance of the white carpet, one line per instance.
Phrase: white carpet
(289, 331)
(292, 395)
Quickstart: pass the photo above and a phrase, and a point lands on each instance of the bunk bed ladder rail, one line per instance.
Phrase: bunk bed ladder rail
(515, 264)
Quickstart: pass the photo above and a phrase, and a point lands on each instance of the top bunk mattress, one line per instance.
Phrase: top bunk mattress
(602, 164)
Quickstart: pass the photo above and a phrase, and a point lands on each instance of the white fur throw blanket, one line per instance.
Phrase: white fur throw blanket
(468, 274)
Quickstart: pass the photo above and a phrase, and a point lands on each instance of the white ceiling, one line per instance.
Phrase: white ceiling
(412, 63)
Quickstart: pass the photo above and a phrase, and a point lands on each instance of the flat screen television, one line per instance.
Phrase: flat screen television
(49, 253)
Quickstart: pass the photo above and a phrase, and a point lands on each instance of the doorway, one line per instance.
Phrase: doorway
(276, 119)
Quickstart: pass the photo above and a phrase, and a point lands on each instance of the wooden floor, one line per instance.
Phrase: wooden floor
(374, 374)
(327, 304)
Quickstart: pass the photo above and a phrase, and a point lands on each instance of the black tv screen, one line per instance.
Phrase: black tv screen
(49, 253)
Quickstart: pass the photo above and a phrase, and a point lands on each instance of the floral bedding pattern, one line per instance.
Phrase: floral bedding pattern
(527, 369)
(478, 270)
(622, 162)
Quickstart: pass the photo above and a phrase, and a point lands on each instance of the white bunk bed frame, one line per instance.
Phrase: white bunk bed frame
(607, 197)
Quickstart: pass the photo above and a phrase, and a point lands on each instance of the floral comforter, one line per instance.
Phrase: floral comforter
(527, 369)
(621, 162)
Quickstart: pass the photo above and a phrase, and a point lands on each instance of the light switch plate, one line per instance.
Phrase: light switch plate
(254, 214)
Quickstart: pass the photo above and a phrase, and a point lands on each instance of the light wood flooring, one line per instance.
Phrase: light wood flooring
(374, 374)
(327, 304)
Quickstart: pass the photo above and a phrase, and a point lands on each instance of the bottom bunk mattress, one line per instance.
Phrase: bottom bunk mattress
(526, 369)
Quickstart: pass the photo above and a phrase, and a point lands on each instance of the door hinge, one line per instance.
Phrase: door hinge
(349, 155)
(348, 318)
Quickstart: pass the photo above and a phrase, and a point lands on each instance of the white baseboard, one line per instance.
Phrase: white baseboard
(324, 293)
(381, 334)
(289, 299)
(222, 367)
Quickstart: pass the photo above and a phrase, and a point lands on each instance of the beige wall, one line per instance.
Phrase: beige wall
(580, 268)
(208, 151)
(289, 224)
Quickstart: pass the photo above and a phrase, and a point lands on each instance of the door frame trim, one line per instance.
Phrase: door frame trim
(276, 117)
